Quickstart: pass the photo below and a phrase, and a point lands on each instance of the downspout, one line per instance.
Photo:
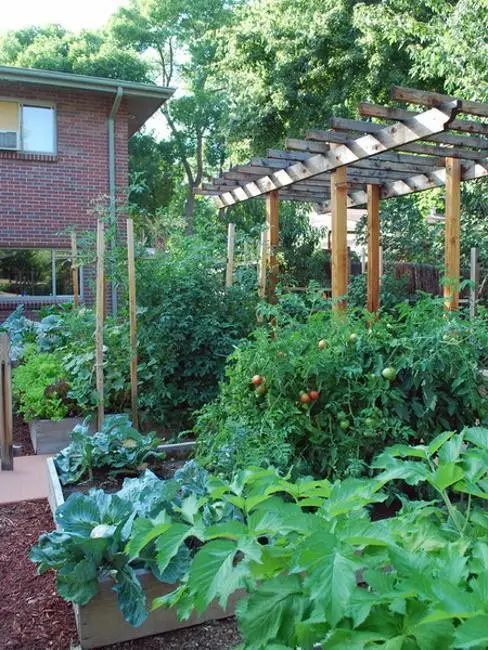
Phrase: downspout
(112, 187)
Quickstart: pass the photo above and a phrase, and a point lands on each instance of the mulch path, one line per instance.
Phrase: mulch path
(21, 436)
(34, 617)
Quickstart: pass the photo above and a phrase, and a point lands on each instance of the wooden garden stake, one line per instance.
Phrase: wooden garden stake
(373, 248)
(100, 315)
(74, 270)
(452, 234)
(263, 254)
(6, 426)
(272, 220)
(339, 238)
(131, 265)
(229, 271)
(475, 281)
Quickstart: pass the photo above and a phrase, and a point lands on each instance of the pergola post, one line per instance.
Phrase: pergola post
(373, 248)
(339, 238)
(452, 234)
(272, 221)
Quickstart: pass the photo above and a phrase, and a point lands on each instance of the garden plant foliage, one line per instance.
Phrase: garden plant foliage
(118, 446)
(316, 566)
(404, 377)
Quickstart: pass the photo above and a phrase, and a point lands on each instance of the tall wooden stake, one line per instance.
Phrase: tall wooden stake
(373, 248)
(229, 270)
(263, 255)
(452, 241)
(474, 277)
(74, 270)
(6, 426)
(131, 265)
(100, 314)
(339, 238)
(272, 221)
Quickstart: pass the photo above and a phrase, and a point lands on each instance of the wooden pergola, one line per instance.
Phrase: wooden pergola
(360, 163)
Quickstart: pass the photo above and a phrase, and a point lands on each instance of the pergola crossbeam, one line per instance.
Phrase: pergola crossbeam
(426, 98)
(390, 137)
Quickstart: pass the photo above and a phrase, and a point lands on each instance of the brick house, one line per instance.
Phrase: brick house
(63, 145)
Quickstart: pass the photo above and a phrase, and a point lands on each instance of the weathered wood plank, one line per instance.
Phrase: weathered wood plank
(389, 113)
(346, 124)
(425, 98)
(131, 269)
(229, 268)
(100, 317)
(452, 234)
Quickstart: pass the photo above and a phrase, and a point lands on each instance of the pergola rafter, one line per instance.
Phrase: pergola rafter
(402, 152)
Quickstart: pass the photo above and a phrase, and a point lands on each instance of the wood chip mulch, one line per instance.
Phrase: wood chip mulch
(34, 617)
(21, 436)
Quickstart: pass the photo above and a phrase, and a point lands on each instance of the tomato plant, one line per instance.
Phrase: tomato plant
(328, 409)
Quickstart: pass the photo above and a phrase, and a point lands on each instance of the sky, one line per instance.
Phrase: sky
(72, 14)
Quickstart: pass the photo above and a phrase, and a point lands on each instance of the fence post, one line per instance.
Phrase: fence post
(6, 425)
(131, 264)
(262, 265)
(475, 280)
(100, 316)
(74, 270)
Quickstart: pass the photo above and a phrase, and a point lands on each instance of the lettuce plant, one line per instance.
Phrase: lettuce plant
(118, 447)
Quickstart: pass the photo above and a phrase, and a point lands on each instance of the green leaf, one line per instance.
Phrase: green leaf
(213, 574)
(331, 584)
(143, 532)
(271, 612)
(77, 582)
(472, 633)
(169, 542)
(130, 596)
(477, 435)
(445, 475)
(438, 441)
(340, 639)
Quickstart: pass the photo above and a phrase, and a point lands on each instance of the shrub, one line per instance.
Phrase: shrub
(327, 411)
(40, 386)
(188, 324)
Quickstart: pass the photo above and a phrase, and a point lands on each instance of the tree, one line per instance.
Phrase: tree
(181, 34)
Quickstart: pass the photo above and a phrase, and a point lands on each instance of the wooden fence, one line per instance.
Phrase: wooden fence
(6, 426)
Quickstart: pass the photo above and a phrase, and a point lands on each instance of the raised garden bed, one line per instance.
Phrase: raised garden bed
(50, 436)
(100, 622)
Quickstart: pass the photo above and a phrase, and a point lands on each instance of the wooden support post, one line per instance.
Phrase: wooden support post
(339, 238)
(263, 255)
(6, 425)
(452, 234)
(474, 277)
(74, 270)
(100, 315)
(229, 271)
(373, 248)
(131, 266)
(272, 220)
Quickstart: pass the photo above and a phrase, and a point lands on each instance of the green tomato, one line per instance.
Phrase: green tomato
(370, 422)
(389, 373)
(353, 338)
(344, 424)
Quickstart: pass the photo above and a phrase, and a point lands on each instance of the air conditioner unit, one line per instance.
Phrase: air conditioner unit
(8, 140)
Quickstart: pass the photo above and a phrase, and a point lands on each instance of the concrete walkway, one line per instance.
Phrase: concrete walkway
(27, 481)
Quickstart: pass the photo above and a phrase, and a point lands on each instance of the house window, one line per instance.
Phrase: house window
(27, 127)
(35, 272)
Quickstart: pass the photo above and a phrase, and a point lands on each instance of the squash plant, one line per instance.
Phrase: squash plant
(321, 573)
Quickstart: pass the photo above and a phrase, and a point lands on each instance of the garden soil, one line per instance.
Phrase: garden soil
(34, 617)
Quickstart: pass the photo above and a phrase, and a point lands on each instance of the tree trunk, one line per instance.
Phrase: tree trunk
(189, 205)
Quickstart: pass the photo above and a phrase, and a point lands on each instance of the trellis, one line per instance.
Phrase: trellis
(360, 163)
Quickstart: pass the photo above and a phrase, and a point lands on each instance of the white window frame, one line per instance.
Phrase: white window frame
(34, 104)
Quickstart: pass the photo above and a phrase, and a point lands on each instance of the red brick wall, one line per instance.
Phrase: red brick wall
(41, 196)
